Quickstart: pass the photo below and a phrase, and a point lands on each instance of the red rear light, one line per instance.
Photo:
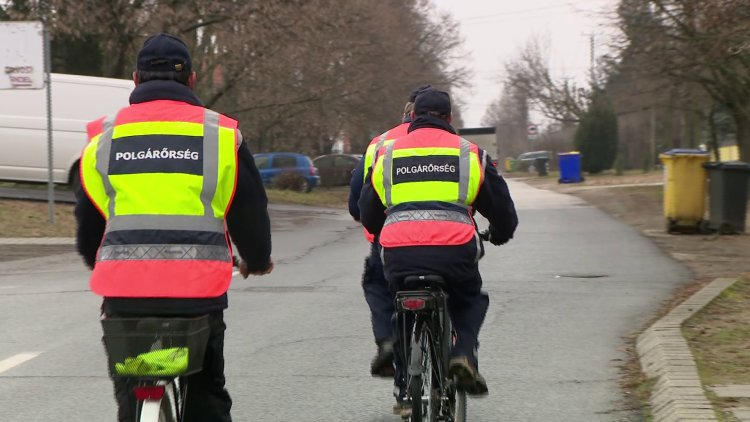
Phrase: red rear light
(149, 392)
(313, 171)
(413, 304)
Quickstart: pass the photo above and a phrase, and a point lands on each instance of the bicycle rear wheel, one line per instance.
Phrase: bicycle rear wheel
(163, 409)
(424, 397)
(460, 415)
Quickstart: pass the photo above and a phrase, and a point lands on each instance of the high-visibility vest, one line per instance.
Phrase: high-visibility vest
(371, 152)
(163, 174)
(425, 168)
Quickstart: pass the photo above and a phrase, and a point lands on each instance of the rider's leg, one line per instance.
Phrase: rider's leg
(380, 300)
(207, 399)
(125, 399)
(468, 307)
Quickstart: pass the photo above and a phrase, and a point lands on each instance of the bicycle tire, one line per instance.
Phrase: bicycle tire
(159, 410)
(422, 355)
(167, 408)
(460, 410)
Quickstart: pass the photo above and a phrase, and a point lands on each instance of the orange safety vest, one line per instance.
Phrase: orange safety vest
(371, 154)
(163, 174)
(428, 181)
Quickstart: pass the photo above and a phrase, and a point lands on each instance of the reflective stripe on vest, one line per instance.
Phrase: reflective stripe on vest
(371, 154)
(378, 142)
(434, 167)
(179, 264)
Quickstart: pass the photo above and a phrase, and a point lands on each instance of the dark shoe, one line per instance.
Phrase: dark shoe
(467, 377)
(382, 363)
(402, 407)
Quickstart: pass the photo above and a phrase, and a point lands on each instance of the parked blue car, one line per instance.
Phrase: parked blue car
(272, 164)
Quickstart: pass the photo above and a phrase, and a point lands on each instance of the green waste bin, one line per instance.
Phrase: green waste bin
(727, 193)
(541, 165)
(684, 189)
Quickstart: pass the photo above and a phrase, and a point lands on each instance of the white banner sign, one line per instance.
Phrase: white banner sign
(21, 55)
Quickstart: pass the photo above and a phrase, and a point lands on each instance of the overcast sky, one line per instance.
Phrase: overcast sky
(495, 30)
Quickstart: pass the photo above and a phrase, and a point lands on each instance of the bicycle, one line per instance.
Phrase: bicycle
(170, 348)
(422, 306)
(157, 354)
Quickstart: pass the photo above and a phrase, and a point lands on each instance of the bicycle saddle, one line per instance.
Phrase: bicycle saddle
(421, 281)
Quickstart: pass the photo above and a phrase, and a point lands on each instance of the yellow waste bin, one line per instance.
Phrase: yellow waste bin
(684, 189)
(509, 164)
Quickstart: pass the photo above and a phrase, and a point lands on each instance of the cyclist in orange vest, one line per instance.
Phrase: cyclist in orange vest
(167, 182)
(377, 293)
(420, 200)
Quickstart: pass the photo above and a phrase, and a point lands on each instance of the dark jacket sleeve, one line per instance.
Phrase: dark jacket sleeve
(355, 188)
(247, 217)
(90, 228)
(496, 205)
(371, 209)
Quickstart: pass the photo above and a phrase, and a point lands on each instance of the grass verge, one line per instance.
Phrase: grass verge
(719, 337)
(334, 197)
(31, 219)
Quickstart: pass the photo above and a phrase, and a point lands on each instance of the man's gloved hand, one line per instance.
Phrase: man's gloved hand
(245, 271)
(496, 239)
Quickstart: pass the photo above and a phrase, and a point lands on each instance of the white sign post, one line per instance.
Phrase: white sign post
(25, 64)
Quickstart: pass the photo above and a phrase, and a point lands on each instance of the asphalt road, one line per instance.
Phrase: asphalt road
(563, 295)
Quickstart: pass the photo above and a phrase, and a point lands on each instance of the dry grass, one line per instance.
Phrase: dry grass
(334, 197)
(719, 336)
(31, 219)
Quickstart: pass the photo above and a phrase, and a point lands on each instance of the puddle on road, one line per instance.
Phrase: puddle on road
(581, 275)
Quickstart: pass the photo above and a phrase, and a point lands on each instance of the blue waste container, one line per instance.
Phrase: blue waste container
(570, 167)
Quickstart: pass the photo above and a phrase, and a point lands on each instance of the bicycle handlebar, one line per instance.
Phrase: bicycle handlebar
(485, 234)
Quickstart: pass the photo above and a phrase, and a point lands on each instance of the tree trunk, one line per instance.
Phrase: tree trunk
(742, 121)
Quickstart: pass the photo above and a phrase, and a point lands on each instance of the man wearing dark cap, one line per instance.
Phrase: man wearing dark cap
(377, 293)
(420, 200)
(165, 179)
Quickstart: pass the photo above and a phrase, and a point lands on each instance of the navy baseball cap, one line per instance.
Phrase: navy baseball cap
(434, 101)
(164, 52)
(418, 91)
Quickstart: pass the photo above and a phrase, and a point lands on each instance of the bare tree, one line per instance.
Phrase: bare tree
(297, 74)
(703, 42)
(560, 100)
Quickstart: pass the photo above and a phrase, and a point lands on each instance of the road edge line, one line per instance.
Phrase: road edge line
(15, 360)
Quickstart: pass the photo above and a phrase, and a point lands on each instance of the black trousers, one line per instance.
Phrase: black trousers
(467, 303)
(207, 399)
(378, 295)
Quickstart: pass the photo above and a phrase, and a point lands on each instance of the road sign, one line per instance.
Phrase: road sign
(21, 55)
(532, 129)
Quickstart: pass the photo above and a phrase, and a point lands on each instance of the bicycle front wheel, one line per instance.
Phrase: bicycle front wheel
(424, 398)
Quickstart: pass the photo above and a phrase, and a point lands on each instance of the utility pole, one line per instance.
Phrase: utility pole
(592, 59)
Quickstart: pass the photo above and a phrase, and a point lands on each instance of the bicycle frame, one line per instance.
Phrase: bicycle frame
(425, 311)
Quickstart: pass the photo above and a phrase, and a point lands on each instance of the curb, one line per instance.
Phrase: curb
(678, 394)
